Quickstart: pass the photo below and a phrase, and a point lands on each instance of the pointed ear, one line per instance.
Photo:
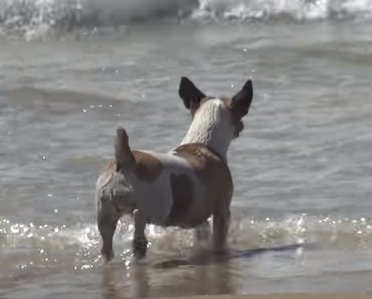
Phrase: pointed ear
(189, 93)
(241, 102)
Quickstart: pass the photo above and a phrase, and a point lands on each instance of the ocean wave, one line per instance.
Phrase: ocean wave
(297, 10)
(30, 16)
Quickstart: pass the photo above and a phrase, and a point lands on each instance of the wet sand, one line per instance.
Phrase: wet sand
(282, 296)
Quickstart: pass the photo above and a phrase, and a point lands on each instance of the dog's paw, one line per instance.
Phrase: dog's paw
(139, 246)
(108, 255)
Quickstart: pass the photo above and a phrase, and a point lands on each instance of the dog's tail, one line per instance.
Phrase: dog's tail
(123, 154)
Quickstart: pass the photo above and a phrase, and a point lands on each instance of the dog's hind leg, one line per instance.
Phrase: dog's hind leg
(139, 243)
(107, 221)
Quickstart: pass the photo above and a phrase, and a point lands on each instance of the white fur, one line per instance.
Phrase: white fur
(111, 185)
(154, 199)
(212, 126)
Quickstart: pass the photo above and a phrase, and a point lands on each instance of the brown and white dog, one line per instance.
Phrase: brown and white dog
(181, 188)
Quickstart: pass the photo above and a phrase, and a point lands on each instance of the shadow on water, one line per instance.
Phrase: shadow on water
(232, 254)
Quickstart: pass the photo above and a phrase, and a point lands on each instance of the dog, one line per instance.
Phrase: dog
(181, 188)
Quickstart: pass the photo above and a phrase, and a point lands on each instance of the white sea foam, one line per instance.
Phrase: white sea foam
(295, 9)
(33, 17)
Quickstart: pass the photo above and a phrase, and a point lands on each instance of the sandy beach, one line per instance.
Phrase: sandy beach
(282, 296)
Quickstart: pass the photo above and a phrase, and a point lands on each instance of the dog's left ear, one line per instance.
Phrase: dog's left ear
(241, 102)
(189, 93)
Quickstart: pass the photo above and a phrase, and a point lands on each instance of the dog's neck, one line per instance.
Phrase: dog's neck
(211, 126)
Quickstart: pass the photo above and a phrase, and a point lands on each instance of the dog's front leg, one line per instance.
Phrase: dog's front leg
(221, 222)
(202, 234)
(139, 244)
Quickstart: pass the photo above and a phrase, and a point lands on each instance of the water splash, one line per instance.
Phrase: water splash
(30, 251)
(83, 238)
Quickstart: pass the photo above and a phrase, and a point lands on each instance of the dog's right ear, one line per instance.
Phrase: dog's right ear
(189, 93)
(241, 102)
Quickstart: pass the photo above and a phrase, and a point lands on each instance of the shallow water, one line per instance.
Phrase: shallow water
(301, 167)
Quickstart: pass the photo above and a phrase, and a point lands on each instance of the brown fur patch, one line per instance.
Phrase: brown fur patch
(211, 170)
(182, 193)
(148, 167)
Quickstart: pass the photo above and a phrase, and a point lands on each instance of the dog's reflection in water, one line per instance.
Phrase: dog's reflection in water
(186, 278)
(200, 274)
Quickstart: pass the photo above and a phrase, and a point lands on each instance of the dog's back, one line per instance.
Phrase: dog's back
(179, 188)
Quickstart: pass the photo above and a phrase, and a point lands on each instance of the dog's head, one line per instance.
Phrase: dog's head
(236, 106)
